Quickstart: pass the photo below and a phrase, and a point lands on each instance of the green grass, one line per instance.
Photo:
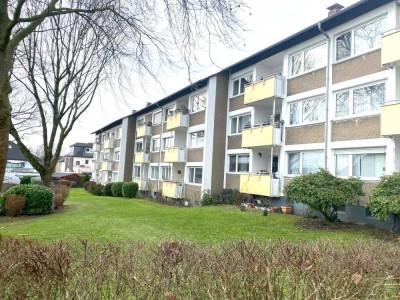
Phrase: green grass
(118, 220)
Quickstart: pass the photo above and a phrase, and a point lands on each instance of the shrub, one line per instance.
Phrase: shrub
(14, 205)
(58, 200)
(209, 199)
(129, 189)
(85, 178)
(6, 186)
(39, 199)
(67, 183)
(60, 194)
(2, 206)
(385, 197)
(116, 189)
(88, 184)
(107, 190)
(96, 189)
(26, 180)
(324, 192)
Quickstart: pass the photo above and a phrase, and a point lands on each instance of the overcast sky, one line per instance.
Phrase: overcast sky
(267, 22)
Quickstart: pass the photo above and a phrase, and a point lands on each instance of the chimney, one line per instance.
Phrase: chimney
(333, 9)
(134, 111)
(148, 104)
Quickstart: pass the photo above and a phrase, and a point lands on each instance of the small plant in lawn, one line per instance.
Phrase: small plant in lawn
(39, 199)
(97, 189)
(129, 189)
(385, 198)
(116, 189)
(14, 205)
(324, 192)
(88, 184)
(107, 190)
(209, 199)
(26, 180)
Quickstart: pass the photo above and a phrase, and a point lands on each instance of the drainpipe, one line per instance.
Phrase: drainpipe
(159, 149)
(326, 97)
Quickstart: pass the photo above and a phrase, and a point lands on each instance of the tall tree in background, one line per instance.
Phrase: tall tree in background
(149, 31)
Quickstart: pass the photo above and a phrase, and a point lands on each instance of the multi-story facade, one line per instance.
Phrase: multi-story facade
(322, 98)
(79, 159)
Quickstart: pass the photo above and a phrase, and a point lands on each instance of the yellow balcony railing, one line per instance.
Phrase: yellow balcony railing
(172, 189)
(390, 44)
(390, 113)
(261, 136)
(142, 183)
(106, 166)
(174, 155)
(264, 90)
(109, 143)
(142, 157)
(259, 184)
(177, 120)
(143, 130)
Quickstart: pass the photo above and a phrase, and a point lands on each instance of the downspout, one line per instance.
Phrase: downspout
(326, 97)
(159, 149)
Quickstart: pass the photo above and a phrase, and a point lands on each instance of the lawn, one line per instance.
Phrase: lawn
(118, 220)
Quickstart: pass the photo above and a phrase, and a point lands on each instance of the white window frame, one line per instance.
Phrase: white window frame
(300, 104)
(117, 155)
(155, 144)
(163, 143)
(351, 113)
(166, 173)
(195, 108)
(196, 139)
(151, 168)
(302, 53)
(236, 155)
(352, 39)
(137, 143)
(168, 111)
(154, 116)
(239, 81)
(140, 122)
(194, 168)
(301, 160)
(135, 169)
(237, 123)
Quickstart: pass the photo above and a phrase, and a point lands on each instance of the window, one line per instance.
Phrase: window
(139, 146)
(167, 143)
(140, 122)
(239, 122)
(360, 101)
(88, 150)
(153, 172)
(157, 118)
(307, 111)
(136, 171)
(360, 39)
(106, 155)
(196, 175)
(168, 111)
(306, 162)
(86, 162)
(114, 177)
(308, 60)
(360, 165)
(15, 165)
(116, 155)
(198, 102)
(240, 83)
(155, 145)
(239, 163)
(78, 163)
(165, 173)
(197, 139)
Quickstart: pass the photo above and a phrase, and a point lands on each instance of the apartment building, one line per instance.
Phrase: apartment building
(325, 97)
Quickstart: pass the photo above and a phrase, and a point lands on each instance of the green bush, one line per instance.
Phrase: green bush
(26, 180)
(39, 199)
(385, 197)
(2, 206)
(324, 192)
(97, 189)
(209, 199)
(88, 184)
(107, 189)
(116, 189)
(85, 178)
(129, 189)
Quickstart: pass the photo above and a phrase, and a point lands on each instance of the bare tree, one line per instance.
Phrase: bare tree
(147, 30)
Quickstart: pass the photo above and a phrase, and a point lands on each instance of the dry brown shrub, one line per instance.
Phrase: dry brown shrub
(60, 194)
(14, 205)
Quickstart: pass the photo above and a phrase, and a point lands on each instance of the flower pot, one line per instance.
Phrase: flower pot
(287, 209)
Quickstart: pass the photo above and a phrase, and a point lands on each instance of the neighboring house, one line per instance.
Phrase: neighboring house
(78, 160)
(17, 166)
(324, 97)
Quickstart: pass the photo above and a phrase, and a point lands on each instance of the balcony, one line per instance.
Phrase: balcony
(106, 166)
(142, 183)
(177, 120)
(390, 42)
(96, 147)
(262, 136)
(172, 189)
(264, 90)
(259, 184)
(109, 143)
(175, 155)
(390, 113)
(143, 130)
(142, 157)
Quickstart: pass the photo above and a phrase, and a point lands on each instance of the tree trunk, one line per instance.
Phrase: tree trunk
(5, 114)
(46, 178)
